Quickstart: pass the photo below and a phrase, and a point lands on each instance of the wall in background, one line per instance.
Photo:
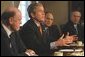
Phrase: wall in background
(59, 10)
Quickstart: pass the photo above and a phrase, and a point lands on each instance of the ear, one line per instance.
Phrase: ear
(10, 20)
(32, 14)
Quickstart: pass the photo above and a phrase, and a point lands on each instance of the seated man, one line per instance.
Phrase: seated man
(74, 27)
(53, 32)
(11, 44)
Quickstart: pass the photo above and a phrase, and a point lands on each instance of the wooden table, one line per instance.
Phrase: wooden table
(70, 51)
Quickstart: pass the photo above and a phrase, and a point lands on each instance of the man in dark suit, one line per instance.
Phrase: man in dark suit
(33, 32)
(74, 26)
(11, 44)
(53, 29)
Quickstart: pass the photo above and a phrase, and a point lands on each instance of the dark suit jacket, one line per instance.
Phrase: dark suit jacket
(54, 33)
(5, 45)
(69, 27)
(33, 39)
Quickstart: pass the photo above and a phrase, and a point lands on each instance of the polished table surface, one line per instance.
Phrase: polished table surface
(70, 50)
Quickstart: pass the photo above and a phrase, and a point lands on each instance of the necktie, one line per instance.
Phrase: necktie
(13, 42)
(47, 31)
(40, 29)
(75, 26)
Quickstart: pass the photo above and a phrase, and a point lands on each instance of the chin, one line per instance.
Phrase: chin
(43, 20)
(48, 25)
(76, 22)
(17, 29)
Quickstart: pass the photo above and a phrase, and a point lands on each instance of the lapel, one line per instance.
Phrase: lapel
(35, 29)
(73, 28)
(6, 38)
(41, 39)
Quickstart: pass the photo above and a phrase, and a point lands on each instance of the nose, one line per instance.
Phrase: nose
(43, 13)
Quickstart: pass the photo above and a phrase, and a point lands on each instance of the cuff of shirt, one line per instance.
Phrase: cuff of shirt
(53, 45)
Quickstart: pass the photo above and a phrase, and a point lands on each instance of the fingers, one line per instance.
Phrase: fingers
(74, 37)
(31, 52)
(62, 36)
(66, 44)
(67, 34)
(67, 41)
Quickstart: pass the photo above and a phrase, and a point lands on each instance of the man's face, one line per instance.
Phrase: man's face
(49, 19)
(76, 17)
(16, 21)
(39, 14)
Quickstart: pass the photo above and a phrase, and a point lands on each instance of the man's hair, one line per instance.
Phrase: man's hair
(6, 15)
(47, 12)
(32, 7)
(75, 11)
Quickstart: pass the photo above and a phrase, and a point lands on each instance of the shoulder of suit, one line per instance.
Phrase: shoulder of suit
(27, 24)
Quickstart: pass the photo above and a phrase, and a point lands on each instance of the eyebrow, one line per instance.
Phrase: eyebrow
(50, 18)
(77, 16)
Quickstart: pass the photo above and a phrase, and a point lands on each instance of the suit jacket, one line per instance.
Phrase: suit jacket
(6, 50)
(33, 39)
(54, 33)
(69, 27)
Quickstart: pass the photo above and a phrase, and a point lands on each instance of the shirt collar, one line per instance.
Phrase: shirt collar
(37, 23)
(8, 31)
(75, 24)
